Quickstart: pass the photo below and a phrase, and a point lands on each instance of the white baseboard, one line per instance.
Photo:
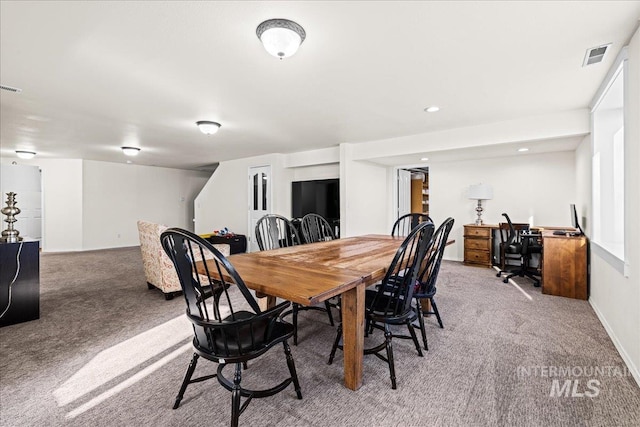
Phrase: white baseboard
(635, 372)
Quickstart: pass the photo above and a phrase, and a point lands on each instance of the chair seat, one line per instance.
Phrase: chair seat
(377, 311)
(425, 294)
(246, 342)
(514, 248)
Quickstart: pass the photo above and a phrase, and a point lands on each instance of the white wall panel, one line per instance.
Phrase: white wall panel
(532, 188)
(116, 196)
(616, 298)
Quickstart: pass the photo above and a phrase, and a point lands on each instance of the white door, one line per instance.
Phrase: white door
(404, 192)
(259, 200)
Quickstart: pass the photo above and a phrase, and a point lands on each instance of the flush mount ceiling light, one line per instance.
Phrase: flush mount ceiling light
(281, 37)
(25, 154)
(522, 150)
(424, 159)
(208, 128)
(130, 151)
(432, 109)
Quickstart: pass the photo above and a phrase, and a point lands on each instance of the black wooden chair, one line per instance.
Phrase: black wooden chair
(225, 330)
(391, 304)
(406, 223)
(428, 276)
(273, 232)
(316, 229)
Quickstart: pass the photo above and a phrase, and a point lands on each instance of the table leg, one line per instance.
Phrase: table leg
(265, 302)
(425, 303)
(353, 336)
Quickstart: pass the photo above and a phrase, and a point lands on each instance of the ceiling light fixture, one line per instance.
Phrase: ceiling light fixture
(208, 128)
(281, 37)
(25, 154)
(522, 150)
(424, 159)
(432, 109)
(130, 151)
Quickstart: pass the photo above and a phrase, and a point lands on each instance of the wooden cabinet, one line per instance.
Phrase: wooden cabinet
(564, 266)
(478, 244)
(20, 262)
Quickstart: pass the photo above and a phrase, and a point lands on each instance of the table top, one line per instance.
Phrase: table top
(312, 273)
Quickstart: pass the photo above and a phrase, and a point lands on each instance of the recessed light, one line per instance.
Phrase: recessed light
(25, 154)
(432, 109)
(424, 159)
(522, 150)
(130, 151)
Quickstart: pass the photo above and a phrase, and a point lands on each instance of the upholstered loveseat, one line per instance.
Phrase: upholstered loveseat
(158, 268)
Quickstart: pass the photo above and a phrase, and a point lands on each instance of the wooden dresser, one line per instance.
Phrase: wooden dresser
(478, 244)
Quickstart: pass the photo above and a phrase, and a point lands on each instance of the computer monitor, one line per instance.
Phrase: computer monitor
(574, 219)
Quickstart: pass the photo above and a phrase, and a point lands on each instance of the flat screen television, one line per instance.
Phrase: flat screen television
(321, 197)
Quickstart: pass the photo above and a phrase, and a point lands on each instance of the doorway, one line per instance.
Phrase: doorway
(412, 195)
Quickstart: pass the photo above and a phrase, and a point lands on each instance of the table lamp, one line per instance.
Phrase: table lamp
(480, 192)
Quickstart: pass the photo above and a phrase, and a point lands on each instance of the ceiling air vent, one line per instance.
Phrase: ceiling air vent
(595, 54)
(10, 88)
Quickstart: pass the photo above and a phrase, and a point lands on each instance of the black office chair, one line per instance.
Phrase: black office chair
(390, 304)
(316, 229)
(273, 232)
(225, 332)
(406, 223)
(520, 244)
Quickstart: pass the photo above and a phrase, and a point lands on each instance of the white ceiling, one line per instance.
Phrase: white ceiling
(99, 75)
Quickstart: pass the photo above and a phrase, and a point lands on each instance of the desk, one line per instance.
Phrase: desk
(563, 265)
(313, 273)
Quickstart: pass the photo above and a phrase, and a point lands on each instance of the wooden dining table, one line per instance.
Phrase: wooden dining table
(312, 273)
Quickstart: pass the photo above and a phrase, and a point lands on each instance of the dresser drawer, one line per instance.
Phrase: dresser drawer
(477, 244)
(477, 257)
(477, 231)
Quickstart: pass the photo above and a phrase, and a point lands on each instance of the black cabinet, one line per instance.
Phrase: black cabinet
(22, 262)
(237, 243)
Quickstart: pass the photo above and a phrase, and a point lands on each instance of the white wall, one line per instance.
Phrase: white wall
(538, 128)
(224, 200)
(116, 195)
(364, 195)
(614, 297)
(583, 184)
(86, 204)
(310, 173)
(531, 188)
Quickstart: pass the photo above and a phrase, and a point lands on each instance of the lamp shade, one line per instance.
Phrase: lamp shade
(480, 192)
(280, 37)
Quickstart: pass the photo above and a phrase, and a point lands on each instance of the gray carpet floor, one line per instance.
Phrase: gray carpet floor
(107, 351)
